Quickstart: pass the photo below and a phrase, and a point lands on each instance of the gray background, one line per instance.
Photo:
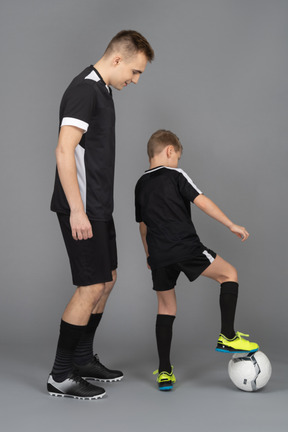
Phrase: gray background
(219, 81)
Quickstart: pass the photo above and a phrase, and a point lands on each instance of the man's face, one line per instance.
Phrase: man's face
(128, 71)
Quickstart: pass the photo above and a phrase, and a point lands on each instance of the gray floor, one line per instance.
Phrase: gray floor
(203, 399)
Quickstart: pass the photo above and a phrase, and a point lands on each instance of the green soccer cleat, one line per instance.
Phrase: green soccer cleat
(165, 380)
(236, 345)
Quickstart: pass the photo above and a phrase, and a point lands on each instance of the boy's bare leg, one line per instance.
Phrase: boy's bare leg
(167, 302)
(221, 271)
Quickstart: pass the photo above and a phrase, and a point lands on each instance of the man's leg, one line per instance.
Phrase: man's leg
(63, 381)
(73, 325)
(88, 365)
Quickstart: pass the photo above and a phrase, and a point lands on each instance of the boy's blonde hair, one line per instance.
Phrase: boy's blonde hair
(161, 139)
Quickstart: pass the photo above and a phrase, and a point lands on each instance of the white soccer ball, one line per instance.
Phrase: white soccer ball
(250, 372)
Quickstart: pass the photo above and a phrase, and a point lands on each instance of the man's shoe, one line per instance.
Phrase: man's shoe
(165, 380)
(75, 387)
(236, 345)
(95, 370)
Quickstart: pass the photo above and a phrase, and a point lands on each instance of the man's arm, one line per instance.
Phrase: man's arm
(69, 138)
(211, 209)
(143, 233)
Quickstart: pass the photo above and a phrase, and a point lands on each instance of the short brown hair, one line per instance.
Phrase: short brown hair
(130, 42)
(161, 139)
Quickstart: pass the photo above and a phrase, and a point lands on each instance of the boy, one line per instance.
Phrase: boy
(162, 199)
(83, 201)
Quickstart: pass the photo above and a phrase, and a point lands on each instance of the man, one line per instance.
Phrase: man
(83, 201)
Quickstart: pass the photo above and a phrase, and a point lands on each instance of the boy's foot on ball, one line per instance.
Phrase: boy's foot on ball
(236, 345)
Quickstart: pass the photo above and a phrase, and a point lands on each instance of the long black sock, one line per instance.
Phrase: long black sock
(164, 324)
(228, 303)
(68, 339)
(83, 353)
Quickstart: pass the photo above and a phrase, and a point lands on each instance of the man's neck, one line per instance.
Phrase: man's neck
(102, 69)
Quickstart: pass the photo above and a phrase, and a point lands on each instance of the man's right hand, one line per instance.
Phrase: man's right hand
(80, 225)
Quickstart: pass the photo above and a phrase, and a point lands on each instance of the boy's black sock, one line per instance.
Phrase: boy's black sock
(68, 339)
(83, 353)
(164, 324)
(228, 302)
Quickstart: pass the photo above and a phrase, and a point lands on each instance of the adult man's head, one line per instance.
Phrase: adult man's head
(125, 59)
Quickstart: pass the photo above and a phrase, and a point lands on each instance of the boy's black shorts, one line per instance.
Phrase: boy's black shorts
(165, 278)
(91, 260)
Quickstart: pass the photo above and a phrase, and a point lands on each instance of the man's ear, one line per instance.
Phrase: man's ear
(117, 60)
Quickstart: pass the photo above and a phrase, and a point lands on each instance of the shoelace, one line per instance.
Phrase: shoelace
(239, 334)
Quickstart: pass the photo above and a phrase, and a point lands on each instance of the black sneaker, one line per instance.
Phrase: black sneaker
(75, 387)
(95, 370)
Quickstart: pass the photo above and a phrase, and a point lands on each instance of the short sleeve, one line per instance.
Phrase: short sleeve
(77, 106)
(187, 187)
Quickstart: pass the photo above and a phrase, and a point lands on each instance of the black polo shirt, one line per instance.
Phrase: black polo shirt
(88, 104)
(162, 200)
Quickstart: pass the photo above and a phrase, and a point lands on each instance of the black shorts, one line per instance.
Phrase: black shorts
(91, 260)
(165, 278)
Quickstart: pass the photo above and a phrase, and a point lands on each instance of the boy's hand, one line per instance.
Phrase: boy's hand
(240, 231)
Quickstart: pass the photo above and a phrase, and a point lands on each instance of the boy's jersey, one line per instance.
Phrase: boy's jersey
(162, 201)
(88, 104)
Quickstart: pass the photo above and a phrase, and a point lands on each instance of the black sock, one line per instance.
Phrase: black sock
(83, 353)
(164, 324)
(68, 339)
(228, 302)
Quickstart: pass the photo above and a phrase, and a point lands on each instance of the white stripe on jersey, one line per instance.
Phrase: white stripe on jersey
(179, 170)
(209, 256)
(70, 121)
(93, 76)
(81, 172)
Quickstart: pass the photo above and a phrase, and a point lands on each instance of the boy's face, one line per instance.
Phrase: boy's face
(128, 71)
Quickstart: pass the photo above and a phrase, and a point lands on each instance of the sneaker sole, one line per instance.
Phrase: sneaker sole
(165, 388)
(231, 350)
(102, 379)
(78, 397)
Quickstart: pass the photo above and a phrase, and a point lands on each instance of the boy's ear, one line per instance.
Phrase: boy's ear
(169, 150)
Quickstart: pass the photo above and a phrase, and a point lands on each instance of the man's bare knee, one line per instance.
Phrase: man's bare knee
(91, 294)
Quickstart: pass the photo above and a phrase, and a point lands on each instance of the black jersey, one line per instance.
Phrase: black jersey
(87, 103)
(162, 200)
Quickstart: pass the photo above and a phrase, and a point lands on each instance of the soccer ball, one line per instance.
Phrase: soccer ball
(250, 372)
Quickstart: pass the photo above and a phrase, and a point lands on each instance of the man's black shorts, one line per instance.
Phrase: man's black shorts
(91, 260)
(165, 278)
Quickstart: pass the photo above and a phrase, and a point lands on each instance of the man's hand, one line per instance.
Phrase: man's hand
(240, 231)
(80, 226)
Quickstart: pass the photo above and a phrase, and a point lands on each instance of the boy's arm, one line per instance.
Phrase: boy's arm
(143, 233)
(211, 209)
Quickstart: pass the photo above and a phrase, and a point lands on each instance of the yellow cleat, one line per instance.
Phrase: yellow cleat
(236, 345)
